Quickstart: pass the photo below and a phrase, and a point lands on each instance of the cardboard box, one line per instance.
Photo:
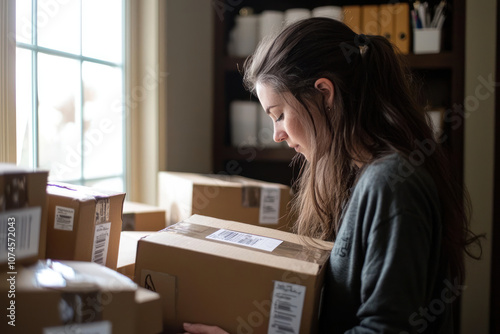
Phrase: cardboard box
(241, 277)
(226, 197)
(23, 215)
(83, 224)
(61, 296)
(127, 252)
(142, 217)
(149, 315)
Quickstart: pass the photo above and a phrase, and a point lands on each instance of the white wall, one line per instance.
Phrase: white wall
(189, 48)
(479, 154)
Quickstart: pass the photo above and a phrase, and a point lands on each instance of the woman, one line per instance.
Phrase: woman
(374, 180)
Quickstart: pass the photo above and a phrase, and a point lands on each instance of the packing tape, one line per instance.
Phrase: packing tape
(285, 248)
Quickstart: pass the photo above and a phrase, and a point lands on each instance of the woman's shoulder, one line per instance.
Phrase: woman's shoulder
(397, 178)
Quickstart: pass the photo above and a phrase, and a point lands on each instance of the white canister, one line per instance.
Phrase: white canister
(332, 12)
(243, 120)
(244, 37)
(270, 23)
(293, 15)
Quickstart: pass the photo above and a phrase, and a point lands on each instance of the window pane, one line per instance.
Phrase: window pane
(102, 110)
(102, 29)
(58, 25)
(113, 184)
(24, 120)
(59, 122)
(23, 21)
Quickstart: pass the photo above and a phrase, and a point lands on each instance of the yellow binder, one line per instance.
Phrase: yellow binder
(352, 17)
(369, 20)
(386, 21)
(402, 27)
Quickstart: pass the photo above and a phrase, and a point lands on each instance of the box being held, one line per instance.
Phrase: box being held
(223, 196)
(83, 224)
(241, 277)
(23, 215)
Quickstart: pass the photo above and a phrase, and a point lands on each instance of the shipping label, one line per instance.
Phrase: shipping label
(286, 308)
(25, 232)
(245, 239)
(64, 218)
(101, 241)
(100, 327)
(269, 205)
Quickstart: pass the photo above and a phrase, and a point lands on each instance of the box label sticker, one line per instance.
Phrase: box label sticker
(102, 210)
(245, 239)
(64, 218)
(269, 205)
(286, 308)
(101, 241)
(100, 327)
(20, 228)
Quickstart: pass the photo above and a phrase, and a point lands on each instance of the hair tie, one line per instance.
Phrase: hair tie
(361, 40)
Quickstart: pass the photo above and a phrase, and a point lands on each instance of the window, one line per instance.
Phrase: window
(70, 116)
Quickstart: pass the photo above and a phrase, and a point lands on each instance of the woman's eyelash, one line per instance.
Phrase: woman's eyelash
(280, 118)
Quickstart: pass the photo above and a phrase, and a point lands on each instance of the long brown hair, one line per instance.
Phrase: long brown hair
(374, 111)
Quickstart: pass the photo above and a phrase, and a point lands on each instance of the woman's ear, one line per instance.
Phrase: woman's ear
(325, 86)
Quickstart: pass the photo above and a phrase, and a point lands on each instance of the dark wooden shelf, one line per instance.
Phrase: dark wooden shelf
(257, 154)
(443, 60)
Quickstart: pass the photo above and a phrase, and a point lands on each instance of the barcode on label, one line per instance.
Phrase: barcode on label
(269, 205)
(101, 241)
(245, 239)
(25, 232)
(286, 308)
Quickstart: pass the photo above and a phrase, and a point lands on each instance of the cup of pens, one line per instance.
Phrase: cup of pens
(427, 27)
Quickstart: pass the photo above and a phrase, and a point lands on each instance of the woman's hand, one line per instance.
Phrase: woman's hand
(202, 329)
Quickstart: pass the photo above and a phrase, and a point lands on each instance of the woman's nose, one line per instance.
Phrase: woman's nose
(279, 133)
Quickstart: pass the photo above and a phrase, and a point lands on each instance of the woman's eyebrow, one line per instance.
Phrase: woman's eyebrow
(269, 108)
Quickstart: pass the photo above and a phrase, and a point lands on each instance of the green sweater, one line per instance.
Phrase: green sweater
(385, 273)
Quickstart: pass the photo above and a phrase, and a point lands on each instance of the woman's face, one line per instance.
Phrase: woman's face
(287, 126)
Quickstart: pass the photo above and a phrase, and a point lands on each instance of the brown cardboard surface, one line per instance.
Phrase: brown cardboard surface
(30, 194)
(77, 243)
(127, 251)
(142, 217)
(225, 197)
(38, 307)
(207, 281)
(149, 315)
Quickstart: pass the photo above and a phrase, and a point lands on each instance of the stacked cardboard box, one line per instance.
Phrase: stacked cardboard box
(127, 251)
(23, 215)
(142, 217)
(241, 277)
(226, 197)
(83, 224)
(52, 296)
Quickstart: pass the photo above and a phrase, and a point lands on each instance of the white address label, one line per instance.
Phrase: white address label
(101, 241)
(245, 239)
(20, 229)
(64, 218)
(269, 205)
(286, 308)
(101, 327)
